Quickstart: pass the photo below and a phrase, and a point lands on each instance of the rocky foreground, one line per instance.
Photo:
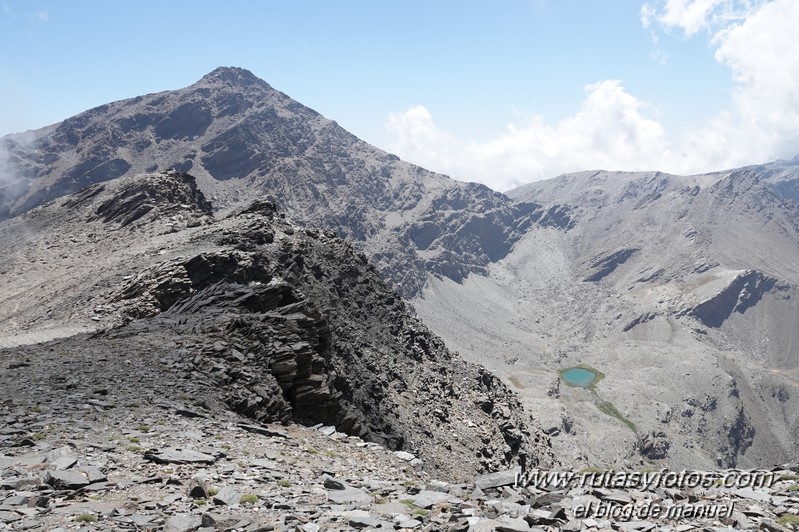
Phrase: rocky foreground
(89, 440)
(94, 445)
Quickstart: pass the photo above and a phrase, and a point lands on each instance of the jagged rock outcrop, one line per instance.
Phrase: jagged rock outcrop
(654, 445)
(159, 287)
(268, 349)
(172, 191)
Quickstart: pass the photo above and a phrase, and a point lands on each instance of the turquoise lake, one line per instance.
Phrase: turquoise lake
(579, 377)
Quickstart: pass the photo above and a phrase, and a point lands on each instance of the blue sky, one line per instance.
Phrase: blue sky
(502, 92)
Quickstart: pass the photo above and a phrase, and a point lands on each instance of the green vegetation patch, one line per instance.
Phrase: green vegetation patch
(788, 519)
(608, 408)
(248, 498)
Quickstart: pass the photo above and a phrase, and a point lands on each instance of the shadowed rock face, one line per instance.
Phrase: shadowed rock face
(742, 293)
(606, 264)
(243, 139)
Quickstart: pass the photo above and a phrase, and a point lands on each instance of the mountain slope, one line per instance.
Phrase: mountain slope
(682, 290)
(783, 176)
(241, 139)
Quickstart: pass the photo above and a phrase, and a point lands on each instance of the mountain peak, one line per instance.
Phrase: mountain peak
(232, 76)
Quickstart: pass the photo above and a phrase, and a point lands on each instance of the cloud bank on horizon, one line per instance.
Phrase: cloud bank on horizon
(615, 130)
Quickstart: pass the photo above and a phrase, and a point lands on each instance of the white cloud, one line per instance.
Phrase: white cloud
(764, 59)
(610, 130)
(615, 130)
(12, 183)
(756, 41)
(416, 133)
(648, 14)
(689, 15)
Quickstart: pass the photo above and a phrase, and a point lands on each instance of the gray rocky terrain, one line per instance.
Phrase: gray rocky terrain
(113, 445)
(220, 351)
(681, 290)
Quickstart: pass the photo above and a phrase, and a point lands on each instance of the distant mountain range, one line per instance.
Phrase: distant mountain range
(680, 290)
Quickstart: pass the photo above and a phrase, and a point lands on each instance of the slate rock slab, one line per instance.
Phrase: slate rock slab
(427, 499)
(264, 431)
(498, 479)
(69, 479)
(62, 458)
(334, 484)
(182, 523)
(348, 496)
(227, 496)
(170, 455)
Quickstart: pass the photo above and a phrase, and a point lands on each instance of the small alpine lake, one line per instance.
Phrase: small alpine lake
(579, 377)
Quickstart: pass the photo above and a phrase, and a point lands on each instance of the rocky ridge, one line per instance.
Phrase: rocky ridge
(288, 323)
(692, 325)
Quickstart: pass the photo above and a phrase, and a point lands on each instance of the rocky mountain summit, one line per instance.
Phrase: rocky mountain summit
(241, 139)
